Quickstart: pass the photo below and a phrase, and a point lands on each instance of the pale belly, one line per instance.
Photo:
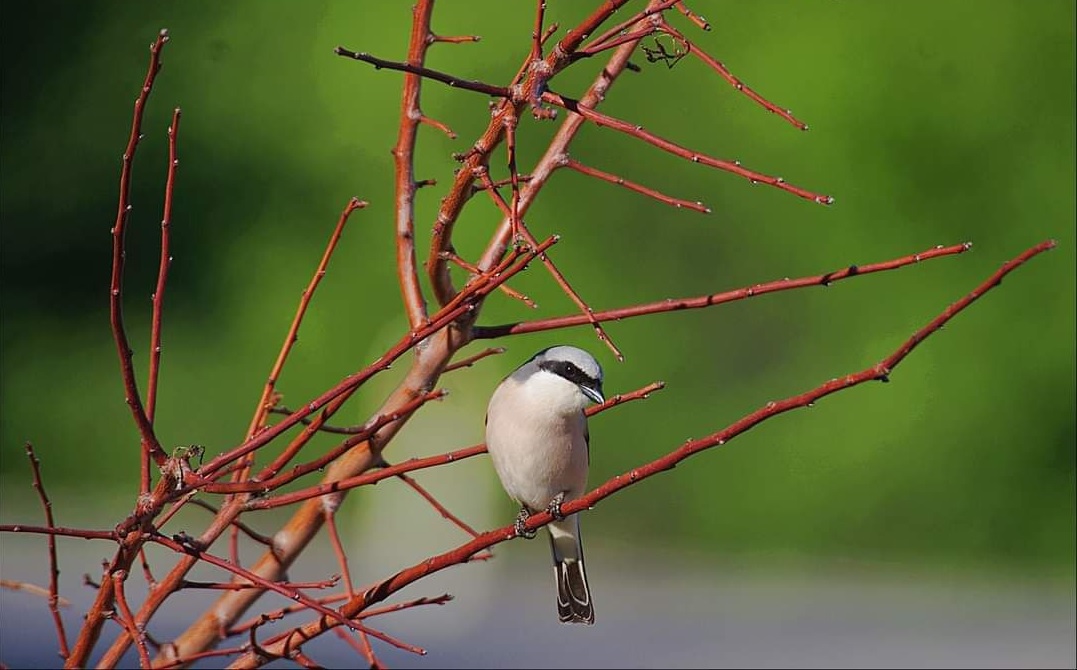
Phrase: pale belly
(545, 461)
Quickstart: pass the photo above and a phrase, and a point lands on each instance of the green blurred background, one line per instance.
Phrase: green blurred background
(931, 123)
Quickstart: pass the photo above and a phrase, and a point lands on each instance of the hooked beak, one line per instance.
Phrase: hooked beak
(595, 394)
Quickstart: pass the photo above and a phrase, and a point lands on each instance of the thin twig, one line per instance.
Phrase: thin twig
(427, 73)
(146, 572)
(413, 464)
(237, 586)
(325, 428)
(671, 304)
(453, 39)
(736, 83)
(471, 360)
(187, 547)
(278, 614)
(632, 186)
(638, 132)
(418, 602)
(474, 269)
(54, 566)
(150, 445)
(127, 619)
(247, 530)
(33, 589)
(267, 481)
(440, 508)
(521, 229)
(258, 421)
(159, 292)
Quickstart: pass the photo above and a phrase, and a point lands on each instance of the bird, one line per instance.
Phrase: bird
(537, 437)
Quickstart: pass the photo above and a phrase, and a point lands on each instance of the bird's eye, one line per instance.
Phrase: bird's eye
(571, 369)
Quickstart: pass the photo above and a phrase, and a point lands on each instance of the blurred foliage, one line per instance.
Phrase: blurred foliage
(931, 123)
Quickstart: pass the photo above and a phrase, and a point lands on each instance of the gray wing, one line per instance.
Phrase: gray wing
(587, 438)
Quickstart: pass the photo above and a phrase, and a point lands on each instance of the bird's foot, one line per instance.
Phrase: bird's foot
(554, 508)
(521, 519)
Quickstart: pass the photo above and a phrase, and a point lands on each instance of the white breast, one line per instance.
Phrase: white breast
(535, 432)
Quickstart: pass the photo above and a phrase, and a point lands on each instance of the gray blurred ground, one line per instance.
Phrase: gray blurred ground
(688, 614)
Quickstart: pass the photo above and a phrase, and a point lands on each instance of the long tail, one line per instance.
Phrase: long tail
(573, 595)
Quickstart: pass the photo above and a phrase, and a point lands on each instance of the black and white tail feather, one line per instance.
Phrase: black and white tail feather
(574, 603)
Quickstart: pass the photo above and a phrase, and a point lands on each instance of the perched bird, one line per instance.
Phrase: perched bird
(536, 433)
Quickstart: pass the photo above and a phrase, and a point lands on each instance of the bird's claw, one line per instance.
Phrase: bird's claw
(554, 508)
(521, 519)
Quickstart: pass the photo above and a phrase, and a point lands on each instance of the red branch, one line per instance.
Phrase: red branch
(403, 156)
(279, 587)
(638, 132)
(556, 273)
(325, 428)
(474, 269)
(278, 614)
(437, 505)
(268, 480)
(694, 18)
(158, 298)
(422, 463)
(54, 568)
(238, 586)
(624, 26)
(672, 305)
(880, 371)
(293, 331)
(127, 619)
(447, 79)
(717, 66)
(632, 186)
(471, 360)
(462, 304)
(453, 39)
(59, 531)
(162, 273)
(418, 602)
(150, 445)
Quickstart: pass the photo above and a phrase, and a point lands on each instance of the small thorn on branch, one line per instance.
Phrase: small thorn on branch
(550, 30)
(471, 360)
(434, 123)
(452, 39)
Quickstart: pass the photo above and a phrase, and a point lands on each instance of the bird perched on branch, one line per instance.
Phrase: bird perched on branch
(536, 433)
